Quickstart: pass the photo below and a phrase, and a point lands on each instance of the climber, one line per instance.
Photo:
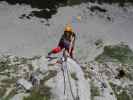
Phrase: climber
(67, 42)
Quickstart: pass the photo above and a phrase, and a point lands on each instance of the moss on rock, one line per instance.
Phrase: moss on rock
(121, 53)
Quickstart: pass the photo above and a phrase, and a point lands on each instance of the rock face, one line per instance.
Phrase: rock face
(69, 83)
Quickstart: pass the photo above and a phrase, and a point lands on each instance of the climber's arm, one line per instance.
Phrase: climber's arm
(71, 43)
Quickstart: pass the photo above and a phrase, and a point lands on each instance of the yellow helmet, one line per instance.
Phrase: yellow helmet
(68, 28)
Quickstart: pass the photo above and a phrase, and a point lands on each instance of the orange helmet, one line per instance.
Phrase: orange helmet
(68, 28)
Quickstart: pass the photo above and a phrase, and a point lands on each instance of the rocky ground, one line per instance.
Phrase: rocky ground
(108, 77)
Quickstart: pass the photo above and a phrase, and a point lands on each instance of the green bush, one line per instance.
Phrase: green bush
(121, 95)
(94, 91)
(121, 53)
(36, 95)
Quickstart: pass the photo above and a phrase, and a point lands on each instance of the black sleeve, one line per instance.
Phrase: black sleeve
(74, 35)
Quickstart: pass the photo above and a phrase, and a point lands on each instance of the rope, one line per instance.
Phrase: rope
(67, 72)
(64, 78)
(63, 61)
(70, 85)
